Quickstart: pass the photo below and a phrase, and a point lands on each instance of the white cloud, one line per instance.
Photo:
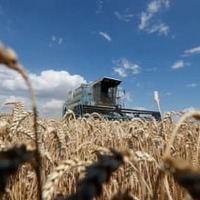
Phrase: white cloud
(147, 18)
(126, 17)
(124, 67)
(105, 36)
(154, 6)
(191, 85)
(179, 64)
(53, 104)
(195, 50)
(144, 20)
(161, 28)
(120, 71)
(55, 40)
(50, 86)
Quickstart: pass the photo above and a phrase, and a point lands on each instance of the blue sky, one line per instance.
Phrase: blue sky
(148, 44)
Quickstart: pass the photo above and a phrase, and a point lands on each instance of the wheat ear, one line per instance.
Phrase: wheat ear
(9, 58)
(53, 178)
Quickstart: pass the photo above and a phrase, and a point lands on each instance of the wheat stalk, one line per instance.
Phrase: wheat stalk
(190, 114)
(9, 58)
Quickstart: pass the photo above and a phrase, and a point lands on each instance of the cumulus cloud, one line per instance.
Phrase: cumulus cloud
(125, 67)
(195, 50)
(51, 88)
(179, 64)
(105, 36)
(147, 18)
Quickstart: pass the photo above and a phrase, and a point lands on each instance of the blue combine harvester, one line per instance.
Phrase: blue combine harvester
(102, 96)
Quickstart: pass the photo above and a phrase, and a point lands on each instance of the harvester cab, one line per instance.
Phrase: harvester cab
(105, 91)
(101, 96)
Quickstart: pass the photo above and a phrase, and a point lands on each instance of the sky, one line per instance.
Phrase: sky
(150, 45)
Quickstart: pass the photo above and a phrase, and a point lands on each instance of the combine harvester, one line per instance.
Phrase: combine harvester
(102, 97)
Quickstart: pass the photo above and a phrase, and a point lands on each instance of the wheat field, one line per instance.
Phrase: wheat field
(68, 145)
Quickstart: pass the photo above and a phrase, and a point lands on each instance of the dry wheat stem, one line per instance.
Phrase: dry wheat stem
(198, 144)
(166, 184)
(9, 58)
(190, 114)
